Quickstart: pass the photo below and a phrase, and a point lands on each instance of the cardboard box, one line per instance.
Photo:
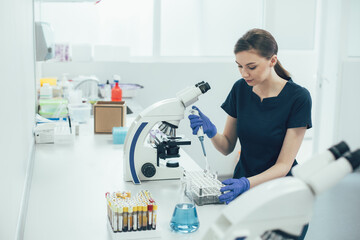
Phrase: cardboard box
(109, 114)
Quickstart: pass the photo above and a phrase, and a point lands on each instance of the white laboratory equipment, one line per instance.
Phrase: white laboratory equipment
(144, 161)
(279, 209)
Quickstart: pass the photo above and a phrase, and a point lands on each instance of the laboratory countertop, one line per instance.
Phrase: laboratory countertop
(69, 182)
(67, 195)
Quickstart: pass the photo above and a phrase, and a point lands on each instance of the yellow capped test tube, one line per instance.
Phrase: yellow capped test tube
(118, 194)
(120, 218)
(130, 219)
(135, 214)
(144, 220)
(140, 213)
(115, 217)
(125, 219)
(113, 210)
(107, 197)
(154, 216)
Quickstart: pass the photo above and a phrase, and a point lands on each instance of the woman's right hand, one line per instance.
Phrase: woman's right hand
(202, 121)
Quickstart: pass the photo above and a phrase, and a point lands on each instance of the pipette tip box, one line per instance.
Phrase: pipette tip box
(204, 188)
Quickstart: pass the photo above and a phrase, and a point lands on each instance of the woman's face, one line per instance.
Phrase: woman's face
(254, 68)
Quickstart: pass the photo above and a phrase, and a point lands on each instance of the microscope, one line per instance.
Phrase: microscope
(279, 209)
(151, 143)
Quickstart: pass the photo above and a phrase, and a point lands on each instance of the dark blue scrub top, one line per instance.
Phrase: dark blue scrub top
(261, 126)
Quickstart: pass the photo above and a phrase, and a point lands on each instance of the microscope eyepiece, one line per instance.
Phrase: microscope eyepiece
(339, 149)
(204, 86)
(353, 158)
(199, 83)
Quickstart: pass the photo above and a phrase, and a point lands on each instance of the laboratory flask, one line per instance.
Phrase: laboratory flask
(185, 218)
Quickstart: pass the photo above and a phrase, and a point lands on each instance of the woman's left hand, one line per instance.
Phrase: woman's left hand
(235, 187)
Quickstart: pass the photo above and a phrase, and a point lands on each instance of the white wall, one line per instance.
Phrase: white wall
(328, 74)
(17, 108)
(337, 73)
(347, 113)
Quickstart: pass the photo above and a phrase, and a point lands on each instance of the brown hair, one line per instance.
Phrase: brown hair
(264, 44)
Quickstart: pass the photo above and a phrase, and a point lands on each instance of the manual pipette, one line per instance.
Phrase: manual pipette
(200, 135)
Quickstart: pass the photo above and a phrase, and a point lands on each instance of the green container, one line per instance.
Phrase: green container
(53, 108)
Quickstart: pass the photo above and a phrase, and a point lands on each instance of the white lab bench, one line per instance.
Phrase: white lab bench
(67, 195)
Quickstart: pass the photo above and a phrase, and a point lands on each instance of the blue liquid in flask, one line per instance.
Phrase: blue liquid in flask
(185, 219)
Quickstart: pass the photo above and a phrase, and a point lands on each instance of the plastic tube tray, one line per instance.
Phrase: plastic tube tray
(204, 188)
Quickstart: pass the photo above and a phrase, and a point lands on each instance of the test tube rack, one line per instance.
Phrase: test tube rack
(131, 214)
(203, 188)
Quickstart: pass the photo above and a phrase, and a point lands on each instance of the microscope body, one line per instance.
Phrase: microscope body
(142, 161)
(284, 203)
(279, 209)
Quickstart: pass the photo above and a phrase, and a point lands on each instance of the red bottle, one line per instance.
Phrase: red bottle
(116, 92)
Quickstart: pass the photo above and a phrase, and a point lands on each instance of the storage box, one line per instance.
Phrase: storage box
(53, 108)
(109, 114)
(80, 112)
(44, 133)
(119, 134)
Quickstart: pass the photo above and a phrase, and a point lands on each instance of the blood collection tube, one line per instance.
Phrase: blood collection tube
(127, 214)
(107, 197)
(113, 210)
(140, 213)
(135, 214)
(154, 216)
(130, 219)
(125, 219)
(115, 217)
(120, 218)
(128, 194)
(144, 221)
(118, 194)
(150, 216)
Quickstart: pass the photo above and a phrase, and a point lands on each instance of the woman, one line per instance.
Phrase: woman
(267, 111)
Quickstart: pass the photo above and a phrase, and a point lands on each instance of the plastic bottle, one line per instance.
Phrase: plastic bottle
(107, 91)
(65, 86)
(116, 92)
(46, 91)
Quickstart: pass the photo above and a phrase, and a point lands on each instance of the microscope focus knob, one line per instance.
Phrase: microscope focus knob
(148, 169)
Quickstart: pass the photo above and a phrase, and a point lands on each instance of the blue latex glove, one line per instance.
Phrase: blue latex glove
(235, 187)
(202, 121)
